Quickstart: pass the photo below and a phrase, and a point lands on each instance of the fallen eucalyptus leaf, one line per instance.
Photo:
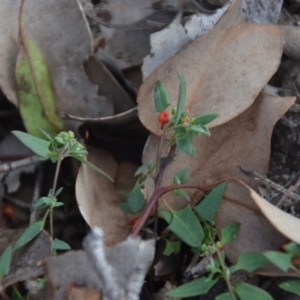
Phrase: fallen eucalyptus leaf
(244, 141)
(30, 103)
(175, 37)
(64, 40)
(285, 223)
(231, 47)
(99, 199)
(9, 43)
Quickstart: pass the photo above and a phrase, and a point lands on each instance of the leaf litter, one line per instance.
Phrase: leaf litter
(225, 69)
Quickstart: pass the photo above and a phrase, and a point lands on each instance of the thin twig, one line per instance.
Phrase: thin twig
(277, 187)
(9, 166)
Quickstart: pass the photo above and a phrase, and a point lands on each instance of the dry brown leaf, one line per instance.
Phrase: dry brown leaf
(225, 70)
(83, 293)
(9, 42)
(60, 31)
(256, 234)
(244, 141)
(285, 223)
(98, 198)
(108, 85)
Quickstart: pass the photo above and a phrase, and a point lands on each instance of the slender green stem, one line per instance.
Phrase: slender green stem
(56, 176)
(51, 221)
(226, 274)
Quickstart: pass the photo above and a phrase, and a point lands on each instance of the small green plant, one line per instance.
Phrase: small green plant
(195, 226)
(56, 149)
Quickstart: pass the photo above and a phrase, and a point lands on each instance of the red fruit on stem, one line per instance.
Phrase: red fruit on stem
(163, 118)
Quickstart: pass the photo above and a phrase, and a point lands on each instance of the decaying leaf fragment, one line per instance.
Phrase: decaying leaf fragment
(35, 93)
(98, 198)
(244, 141)
(225, 70)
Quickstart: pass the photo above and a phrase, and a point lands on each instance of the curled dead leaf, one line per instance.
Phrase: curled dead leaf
(98, 198)
(225, 70)
(285, 223)
(244, 141)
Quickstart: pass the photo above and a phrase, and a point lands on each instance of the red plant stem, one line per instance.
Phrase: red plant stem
(159, 191)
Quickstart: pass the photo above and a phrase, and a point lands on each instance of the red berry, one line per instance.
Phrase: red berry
(134, 221)
(163, 118)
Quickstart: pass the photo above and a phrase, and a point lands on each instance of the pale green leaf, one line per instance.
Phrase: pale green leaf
(292, 286)
(30, 233)
(171, 247)
(224, 296)
(161, 97)
(60, 245)
(209, 206)
(5, 261)
(181, 99)
(246, 291)
(185, 225)
(205, 119)
(37, 145)
(250, 262)
(283, 261)
(229, 233)
(195, 288)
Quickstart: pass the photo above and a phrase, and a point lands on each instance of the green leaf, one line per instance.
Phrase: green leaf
(16, 295)
(5, 261)
(57, 193)
(224, 296)
(184, 143)
(205, 119)
(37, 145)
(58, 204)
(135, 199)
(283, 261)
(125, 207)
(292, 248)
(246, 291)
(182, 176)
(31, 108)
(30, 233)
(209, 206)
(181, 193)
(229, 233)
(195, 288)
(199, 129)
(60, 245)
(43, 203)
(161, 97)
(250, 262)
(185, 225)
(181, 99)
(292, 286)
(171, 247)
(93, 167)
(43, 82)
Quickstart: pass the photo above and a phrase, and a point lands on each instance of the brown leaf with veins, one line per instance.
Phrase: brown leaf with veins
(243, 141)
(98, 198)
(225, 70)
